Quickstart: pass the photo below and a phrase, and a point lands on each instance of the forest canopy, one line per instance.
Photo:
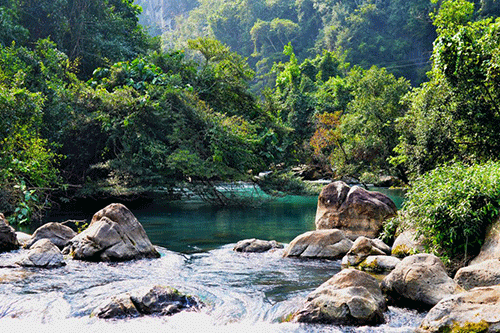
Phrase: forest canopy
(92, 106)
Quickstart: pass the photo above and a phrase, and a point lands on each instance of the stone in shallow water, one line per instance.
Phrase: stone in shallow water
(319, 244)
(157, 300)
(256, 245)
(8, 240)
(57, 233)
(43, 254)
(350, 297)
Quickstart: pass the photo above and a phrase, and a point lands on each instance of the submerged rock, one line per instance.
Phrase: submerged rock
(114, 234)
(157, 300)
(57, 233)
(486, 273)
(350, 297)
(325, 244)
(354, 210)
(477, 310)
(256, 245)
(419, 281)
(8, 239)
(43, 254)
(407, 244)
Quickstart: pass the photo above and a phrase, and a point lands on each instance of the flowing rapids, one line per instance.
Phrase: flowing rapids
(242, 293)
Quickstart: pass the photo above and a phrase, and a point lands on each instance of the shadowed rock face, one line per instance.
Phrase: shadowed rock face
(350, 297)
(157, 300)
(8, 239)
(113, 235)
(484, 274)
(491, 246)
(354, 210)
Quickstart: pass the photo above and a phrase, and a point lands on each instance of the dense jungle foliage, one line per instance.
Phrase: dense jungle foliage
(92, 106)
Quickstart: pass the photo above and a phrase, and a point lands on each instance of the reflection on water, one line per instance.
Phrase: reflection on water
(243, 292)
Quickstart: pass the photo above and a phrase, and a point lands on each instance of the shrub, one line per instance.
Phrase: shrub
(453, 205)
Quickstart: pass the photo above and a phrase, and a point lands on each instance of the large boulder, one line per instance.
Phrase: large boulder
(57, 233)
(157, 300)
(114, 234)
(362, 248)
(491, 246)
(354, 210)
(486, 273)
(477, 310)
(256, 245)
(419, 281)
(8, 239)
(350, 297)
(407, 243)
(43, 254)
(319, 244)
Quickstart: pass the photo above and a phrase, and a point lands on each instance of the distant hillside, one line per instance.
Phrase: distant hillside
(158, 15)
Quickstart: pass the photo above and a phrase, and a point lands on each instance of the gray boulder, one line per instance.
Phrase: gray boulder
(486, 273)
(324, 244)
(57, 233)
(157, 300)
(407, 244)
(256, 245)
(362, 248)
(491, 246)
(419, 281)
(43, 254)
(8, 239)
(354, 210)
(114, 234)
(477, 310)
(350, 297)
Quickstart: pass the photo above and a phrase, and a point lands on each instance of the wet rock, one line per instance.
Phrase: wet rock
(325, 244)
(407, 244)
(57, 233)
(8, 239)
(157, 300)
(491, 246)
(350, 297)
(483, 274)
(419, 281)
(477, 310)
(43, 254)
(378, 264)
(362, 248)
(354, 210)
(256, 245)
(114, 234)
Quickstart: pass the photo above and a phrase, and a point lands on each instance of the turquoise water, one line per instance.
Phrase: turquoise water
(243, 292)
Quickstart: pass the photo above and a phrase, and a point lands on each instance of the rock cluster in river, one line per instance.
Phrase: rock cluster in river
(114, 234)
(157, 300)
(44, 254)
(354, 210)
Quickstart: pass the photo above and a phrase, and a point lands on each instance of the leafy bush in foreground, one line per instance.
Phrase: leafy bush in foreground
(453, 205)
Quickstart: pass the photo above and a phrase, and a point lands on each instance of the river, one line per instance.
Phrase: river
(242, 292)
